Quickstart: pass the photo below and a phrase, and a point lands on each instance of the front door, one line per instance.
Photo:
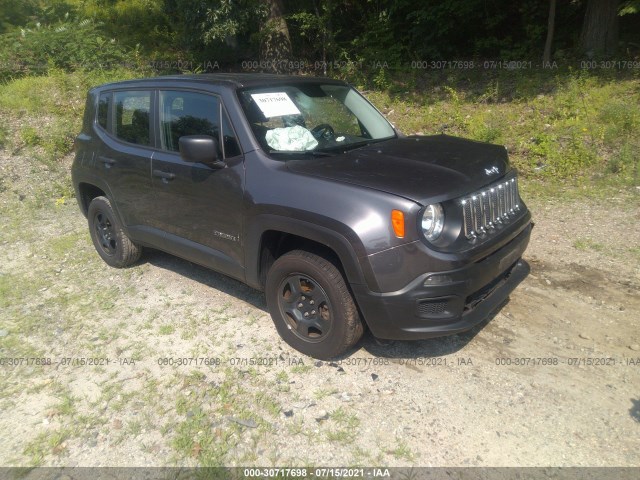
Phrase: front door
(196, 205)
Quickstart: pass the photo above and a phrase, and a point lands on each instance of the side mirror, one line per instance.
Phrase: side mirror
(200, 149)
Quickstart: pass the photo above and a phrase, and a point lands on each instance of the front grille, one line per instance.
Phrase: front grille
(488, 209)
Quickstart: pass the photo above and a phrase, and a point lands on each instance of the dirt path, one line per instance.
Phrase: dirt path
(552, 379)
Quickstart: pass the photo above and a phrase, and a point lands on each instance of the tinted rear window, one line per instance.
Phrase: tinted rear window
(132, 109)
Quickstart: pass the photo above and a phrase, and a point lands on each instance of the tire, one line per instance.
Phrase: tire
(109, 240)
(311, 305)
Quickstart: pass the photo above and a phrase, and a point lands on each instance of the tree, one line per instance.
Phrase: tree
(629, 7)
(275, 45)
(599, 34)
(546, 57)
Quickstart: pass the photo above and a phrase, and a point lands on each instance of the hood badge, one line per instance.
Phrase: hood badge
(491, 170)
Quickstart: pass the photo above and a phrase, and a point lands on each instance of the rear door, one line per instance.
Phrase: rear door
(196, 205)
(124, 153)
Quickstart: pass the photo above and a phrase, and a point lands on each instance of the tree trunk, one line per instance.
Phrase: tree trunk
(599, 34)
(275, 48)
(546, 57)
(324, 39)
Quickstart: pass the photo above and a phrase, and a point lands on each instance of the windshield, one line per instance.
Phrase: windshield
(312, 117)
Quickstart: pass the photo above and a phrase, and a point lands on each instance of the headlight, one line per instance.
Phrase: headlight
(432, 221)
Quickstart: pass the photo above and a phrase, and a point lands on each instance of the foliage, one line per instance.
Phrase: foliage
(374, 34)
(558, 126)
(629, 7)
(231, 18)
(48, 110)
(67, 44)
(621, 121)
(312, 31)
(142, 24)
(218, 29)
(14, 13)
(457, 29)
(377, 42)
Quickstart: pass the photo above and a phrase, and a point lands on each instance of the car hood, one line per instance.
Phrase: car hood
(425, 169)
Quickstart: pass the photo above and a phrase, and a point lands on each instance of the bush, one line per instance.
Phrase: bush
(67, 45)
(620, 121)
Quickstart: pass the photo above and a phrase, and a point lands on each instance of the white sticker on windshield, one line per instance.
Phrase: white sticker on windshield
(275, 104)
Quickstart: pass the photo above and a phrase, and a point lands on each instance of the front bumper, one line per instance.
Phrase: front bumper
(445, 303)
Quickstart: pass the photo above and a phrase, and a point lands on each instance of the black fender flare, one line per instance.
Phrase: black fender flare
(348, 250)
(100, 184)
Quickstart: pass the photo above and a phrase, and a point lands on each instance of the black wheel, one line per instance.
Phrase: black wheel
(111, 243)
(323, 131)
(311, 305)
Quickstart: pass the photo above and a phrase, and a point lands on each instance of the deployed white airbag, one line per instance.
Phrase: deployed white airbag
(291, 139)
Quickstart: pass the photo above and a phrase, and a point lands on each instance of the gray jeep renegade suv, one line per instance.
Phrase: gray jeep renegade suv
(299, 187)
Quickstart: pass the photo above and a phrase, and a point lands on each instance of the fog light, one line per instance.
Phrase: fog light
(437, 279)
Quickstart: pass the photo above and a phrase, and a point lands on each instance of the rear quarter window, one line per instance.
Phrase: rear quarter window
(104, 105)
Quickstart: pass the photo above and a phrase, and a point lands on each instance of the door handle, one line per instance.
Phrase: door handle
(108, 162)
(164, 175)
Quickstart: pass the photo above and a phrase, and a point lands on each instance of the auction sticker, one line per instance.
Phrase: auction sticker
(275, 104)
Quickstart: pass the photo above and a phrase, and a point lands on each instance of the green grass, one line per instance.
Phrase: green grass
(41, 115)
(47, 443)
(4, 135)
(324, 392)
(167, 329)
(58, 92)
(29, 135)
(12, 289)
(193, 435)
(402, 451)
(566, 127)
(66, 405)
(588, 244)
(64, 244)
(345, 429)
(134, 428)
(195, 438)
(301, 369)
(268, 403)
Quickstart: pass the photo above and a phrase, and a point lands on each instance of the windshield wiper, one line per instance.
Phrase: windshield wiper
(353, 146)
(313, 153)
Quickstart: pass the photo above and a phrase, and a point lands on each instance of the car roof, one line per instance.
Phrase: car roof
(233, 80)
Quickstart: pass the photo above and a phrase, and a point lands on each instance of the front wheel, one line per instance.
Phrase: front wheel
(110, 241)
(311, 305)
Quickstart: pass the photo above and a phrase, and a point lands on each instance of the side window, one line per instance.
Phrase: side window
(104, 103)
(187, 113)
(132, 116)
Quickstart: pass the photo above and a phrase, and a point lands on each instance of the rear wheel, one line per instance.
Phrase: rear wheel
(110, 241)
(311, 305)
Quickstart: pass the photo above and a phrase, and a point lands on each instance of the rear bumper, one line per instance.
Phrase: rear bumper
(444, 303)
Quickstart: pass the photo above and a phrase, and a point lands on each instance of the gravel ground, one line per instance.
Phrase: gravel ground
(550, 380)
